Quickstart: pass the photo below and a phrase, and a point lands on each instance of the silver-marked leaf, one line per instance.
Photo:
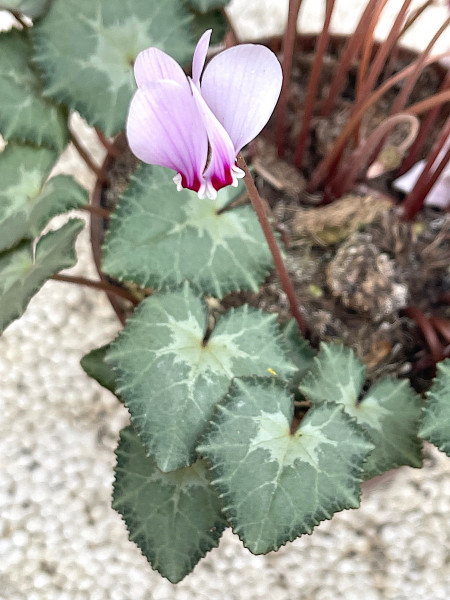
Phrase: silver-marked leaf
(86, 51)
(22, 274)
(170, 378)
(277, 485)
(95, 366)
(174, 518)
(160, 237)
(31, 8)
(26, 203)
(389, 411)
(300, 351)
(26, 116)
(436, 420)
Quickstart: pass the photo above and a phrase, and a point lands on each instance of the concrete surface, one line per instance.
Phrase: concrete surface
(59, 538)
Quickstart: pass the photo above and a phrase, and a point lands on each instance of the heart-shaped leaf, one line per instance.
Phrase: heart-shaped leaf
(22, 272)
(277, 485)
(160, 237)
(86, 50)
(26, 116)
(31, 8)
(26, 204)
(95, 366)
(170, 375)
(300, 351)
(389, 411)
(174, 518)
(436, 420)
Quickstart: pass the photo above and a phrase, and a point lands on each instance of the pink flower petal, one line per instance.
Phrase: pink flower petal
(201, 50)
(220, 171)
(241, 86)
(154, 65)
(164, 127)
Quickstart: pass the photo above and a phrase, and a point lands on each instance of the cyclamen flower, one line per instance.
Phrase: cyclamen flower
(196, 126)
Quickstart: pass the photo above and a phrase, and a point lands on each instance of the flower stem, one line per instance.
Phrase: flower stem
(313, 83)
(271, 241)
(109, 146)
(346, 57)
(288, 54)
(103, 178)
(98, 285)
(96, 210)
(19, 18)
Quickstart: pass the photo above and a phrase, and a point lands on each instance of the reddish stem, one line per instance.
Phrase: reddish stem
(109, 146)
(348, 54)
(410, 81)
(288, 53)
(19, 18)
(415, 199)
(96, 210)
(409, 22)
(362, 155)
(88, 160)
(442, 326)
(424, 132)
(272, 243)
(428, 332)
(322, 43)
(367, 49)
(330, 161)
(383, 53)
(98, 285)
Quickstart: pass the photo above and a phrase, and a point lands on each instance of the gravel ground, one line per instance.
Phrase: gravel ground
(59, 538)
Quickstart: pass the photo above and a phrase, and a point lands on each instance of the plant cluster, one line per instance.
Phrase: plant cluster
(235, 418)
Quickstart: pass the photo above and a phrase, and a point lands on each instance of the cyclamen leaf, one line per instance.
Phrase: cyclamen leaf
(21, 276)
(174, 518)
(161, 237)
(170, 379)
(300, 351)
(25, 115)
(26, 203)
(390, 410)
(86, 51)
(436, 420)
(31, 8)
(277, 485)
(95, 366)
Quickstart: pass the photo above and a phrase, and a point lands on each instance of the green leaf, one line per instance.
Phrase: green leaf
(204, 6)
(215, 20)
(95, 366)
(436, 421)
(174, 518)
(300, 351)
(26, 116)
(389, 411)
(161, 237)
(26, 204)
(86, 51)
(277, 485)
(170, 378)
(21, 276)
(31, 8)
